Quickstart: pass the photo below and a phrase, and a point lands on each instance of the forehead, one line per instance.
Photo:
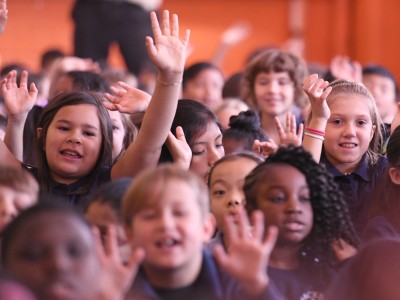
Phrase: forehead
(23, 198)
(211, 133)
(351, 103)
(209, 73)
(283, 175)
(273, 75)
(237, 168)
(115, 116)
(53, 229)
(377, 79)
(79, 114)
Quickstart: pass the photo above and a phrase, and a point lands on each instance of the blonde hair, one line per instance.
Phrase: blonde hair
(148, 187)
(343, 87)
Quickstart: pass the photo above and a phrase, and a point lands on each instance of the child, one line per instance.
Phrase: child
(383, 86)
(104, 211)
(76, 154)
(225, 184)
(273, 86)
(18, 191)
(385, 210)
(166, 213)
(198, 144)
(243, 129)
(295, 194)
(203, 82)
(227, 108)
(350, 124)
(51, 249)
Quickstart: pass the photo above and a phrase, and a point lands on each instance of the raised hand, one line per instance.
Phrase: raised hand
(115, 278)
(343, 68)
(167, 50)
(264, 149)
(3, 15)
(18, 99)
(248, 253)
(317, 91)
(343, 250)
(127, 100)
(289, 136)
(179, 148)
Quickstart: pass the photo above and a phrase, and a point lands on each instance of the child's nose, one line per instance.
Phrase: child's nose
(167, 220)
(349, 130)
(57, 262)
(293, 205)
(74, 138)
(273, 86)
(236, 199)
(214, 155)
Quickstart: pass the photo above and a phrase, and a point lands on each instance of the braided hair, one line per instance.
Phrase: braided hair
(330, 211)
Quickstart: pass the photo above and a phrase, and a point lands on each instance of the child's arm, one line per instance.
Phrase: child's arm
(248, 254)
(317, 91)
(18, 101)
(168, 54)
(3, 15)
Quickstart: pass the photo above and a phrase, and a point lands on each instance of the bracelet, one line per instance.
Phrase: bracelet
(169, 83)
(315, 136)
(315, 131)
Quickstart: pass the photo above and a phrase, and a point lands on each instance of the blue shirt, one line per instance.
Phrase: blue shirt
(358, 187)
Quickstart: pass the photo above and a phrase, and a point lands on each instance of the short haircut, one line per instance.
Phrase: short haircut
(19, 180)
(373, 69)
(149, 186)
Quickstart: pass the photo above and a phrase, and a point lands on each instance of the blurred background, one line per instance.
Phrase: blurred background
(364, 30)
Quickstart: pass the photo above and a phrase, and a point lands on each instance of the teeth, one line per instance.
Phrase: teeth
(347, 145)
(71, 153)
(167, 243)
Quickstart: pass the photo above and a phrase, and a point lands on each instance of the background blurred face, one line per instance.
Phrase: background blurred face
(274, 93)
(118, 132)
(206, 87)
(54, 255)
(384, 91)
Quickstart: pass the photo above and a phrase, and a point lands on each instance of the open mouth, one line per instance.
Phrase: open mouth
(70, 153)
(167, 243)
(348, 145)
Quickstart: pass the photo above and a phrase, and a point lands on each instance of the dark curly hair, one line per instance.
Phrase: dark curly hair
(331, 214)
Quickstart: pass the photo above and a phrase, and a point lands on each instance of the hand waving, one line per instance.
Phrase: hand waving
(317, 91)
(289, 136)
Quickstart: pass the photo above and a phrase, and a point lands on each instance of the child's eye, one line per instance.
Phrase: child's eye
(115, 127)
(304, 199)
(180, 213)
(76, 251)
(277, 199)
(219, 145)
(284, 82)
(63, 128)
(218, 193)
(337, 121)
(362, 122)
(198, 152)
(89, 133)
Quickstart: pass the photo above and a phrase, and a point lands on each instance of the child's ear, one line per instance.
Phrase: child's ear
(372, 132)
(209, 227)
(38, 132)
(394, 174)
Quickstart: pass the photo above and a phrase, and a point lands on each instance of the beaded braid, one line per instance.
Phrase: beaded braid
(331, 214)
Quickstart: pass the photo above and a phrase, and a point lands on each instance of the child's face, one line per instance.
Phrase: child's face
(274, 93)
(54, 255)
(284, 199)
(118, 132)
(206, 150)
(103, 215)
(384, 91)
(206, 87)
(173, 232)
(348, 132)
(12, 202)
(73, 142)
(226, 188)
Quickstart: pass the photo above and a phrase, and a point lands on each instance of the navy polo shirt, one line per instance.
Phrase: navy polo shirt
(358, 187)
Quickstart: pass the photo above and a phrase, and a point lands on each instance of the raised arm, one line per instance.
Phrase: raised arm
(3, 15)
(317, 91)
(167, 51)
(18, 100)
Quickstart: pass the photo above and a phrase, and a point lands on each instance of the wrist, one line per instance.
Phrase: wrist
(170, 79)
(257, 286)
(317, 124)
(17, 120)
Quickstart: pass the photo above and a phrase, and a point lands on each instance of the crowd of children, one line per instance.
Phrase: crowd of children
(108, 192)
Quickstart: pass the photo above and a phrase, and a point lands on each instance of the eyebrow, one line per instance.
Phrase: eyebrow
(204, 143)
(88, 126)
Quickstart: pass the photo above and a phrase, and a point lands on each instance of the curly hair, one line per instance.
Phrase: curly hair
(331, 214)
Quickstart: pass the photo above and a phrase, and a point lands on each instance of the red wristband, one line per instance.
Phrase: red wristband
(315, 131)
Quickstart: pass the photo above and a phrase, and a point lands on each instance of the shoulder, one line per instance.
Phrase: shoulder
(377, 227)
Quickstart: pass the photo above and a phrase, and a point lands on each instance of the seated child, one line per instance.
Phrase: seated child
(104, 210)
(166, 213)
(18, 191)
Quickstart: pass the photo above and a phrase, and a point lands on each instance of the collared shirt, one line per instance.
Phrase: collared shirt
(358, 187)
